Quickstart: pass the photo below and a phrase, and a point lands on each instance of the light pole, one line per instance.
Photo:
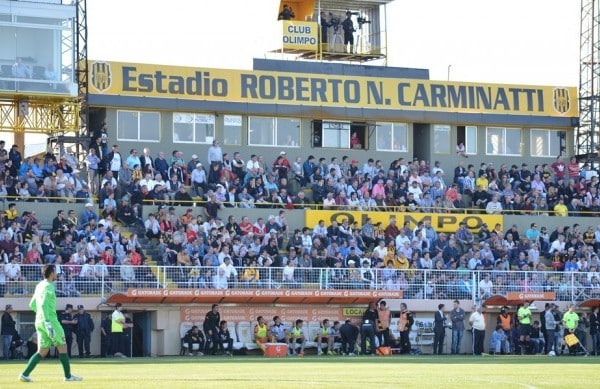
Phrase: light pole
(449, 66)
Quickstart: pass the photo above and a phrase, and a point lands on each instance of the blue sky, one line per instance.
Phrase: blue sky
(509, 41)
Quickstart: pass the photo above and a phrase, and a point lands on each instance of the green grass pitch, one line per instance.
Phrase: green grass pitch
(422, 372)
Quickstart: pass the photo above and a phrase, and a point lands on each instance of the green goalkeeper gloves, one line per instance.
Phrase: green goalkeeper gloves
(50, 329)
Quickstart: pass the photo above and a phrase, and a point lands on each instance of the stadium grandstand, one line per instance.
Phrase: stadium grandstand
(299, 189)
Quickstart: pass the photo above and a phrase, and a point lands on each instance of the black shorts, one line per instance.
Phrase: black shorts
(525, 330)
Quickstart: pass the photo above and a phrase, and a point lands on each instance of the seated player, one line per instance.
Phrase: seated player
(279, 334)
(261, 333)
(297, 337)
(337, 337)
(324, 335)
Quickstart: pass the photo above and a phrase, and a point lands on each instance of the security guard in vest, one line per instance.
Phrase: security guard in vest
(524, 317)
(505, 320)
(116, 331)
(212, 321)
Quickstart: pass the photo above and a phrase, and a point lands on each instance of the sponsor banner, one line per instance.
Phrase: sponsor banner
(353, 311)
(274, 293)
(539, 296)
(175, 293)
(300, 35)
(251, 312)
(441, 222)
(327, 90)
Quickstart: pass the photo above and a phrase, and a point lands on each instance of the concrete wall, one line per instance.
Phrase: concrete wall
(46, 212)
(296, 218)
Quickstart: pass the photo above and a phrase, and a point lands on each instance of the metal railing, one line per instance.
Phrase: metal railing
(75, 281)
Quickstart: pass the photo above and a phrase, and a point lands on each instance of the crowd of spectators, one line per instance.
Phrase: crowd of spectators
(83, 247)
(227, 180)
(205, 251)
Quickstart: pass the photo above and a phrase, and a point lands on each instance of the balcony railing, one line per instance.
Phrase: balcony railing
(103, 281)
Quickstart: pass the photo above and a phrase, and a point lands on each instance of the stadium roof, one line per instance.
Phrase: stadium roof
(343, 5)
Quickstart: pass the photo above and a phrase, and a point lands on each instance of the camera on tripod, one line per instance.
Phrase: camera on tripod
(362, 21)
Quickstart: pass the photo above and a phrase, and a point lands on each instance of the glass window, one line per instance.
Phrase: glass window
(138, 125)
(336, 134)
(441, 139)
(545, 143)
(232, 130)
(471, 139)
(260, 131)
(43, 53)
(392, 137)
(503, 141)
(267, 131)
(288, 132)
(193, 128)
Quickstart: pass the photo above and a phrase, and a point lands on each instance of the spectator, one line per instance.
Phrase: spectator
(494, 206)
(88, 215)
(152, 227)
(251, 276)
(199, 180)
(288, 276)
(93, 165)
(127, 273)
(486, 287)
(230, 271)
(220, 280)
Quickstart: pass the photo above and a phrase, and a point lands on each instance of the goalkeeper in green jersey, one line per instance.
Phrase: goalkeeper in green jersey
(50, 332)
